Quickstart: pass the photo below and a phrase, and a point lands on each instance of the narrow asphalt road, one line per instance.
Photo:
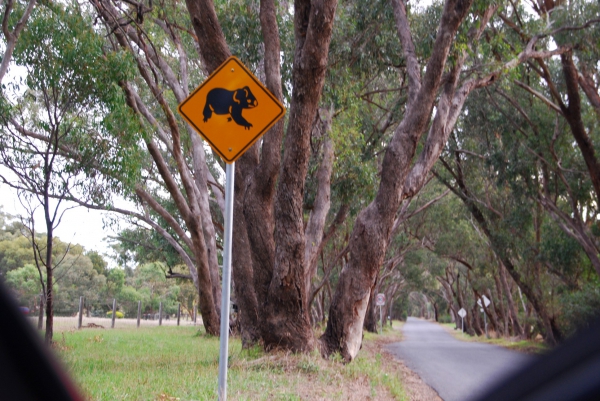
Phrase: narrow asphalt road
(457, 370)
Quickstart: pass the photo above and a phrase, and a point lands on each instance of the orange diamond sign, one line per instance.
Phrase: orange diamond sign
(231, 109)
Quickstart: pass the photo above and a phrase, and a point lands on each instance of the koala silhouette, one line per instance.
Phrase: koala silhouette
(222, 101)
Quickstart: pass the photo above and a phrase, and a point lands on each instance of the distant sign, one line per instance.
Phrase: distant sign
(231, 109)
(486, 301)
(380, 300)
(462, 312)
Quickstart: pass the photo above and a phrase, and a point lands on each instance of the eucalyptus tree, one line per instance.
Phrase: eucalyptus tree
(506, 222)
(535, 158)
(556, 87)
(403, 251)
(179, 192)
(187, 184)
(276, 233)
(402, 175)
(52, 132)
(516, 172)
(174, 194)
(497, 40)
(14, 19)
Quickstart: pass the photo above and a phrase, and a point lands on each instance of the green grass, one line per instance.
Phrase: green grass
(176, 363)
(142, 364)
(528, 346)
(375, 365)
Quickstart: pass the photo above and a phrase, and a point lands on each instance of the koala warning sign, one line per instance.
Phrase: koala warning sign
(231, 109)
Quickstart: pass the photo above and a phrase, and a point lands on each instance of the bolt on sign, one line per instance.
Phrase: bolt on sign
(231, 109)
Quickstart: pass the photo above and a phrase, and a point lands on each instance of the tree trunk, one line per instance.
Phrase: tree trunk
(210, 316)
(41, 312)
(49, 276)
(550, 331)
(492, 316)
(369, 238)
(476, 321)
(572, 114)
(198, 235)
(517, 329)
(287, 323)
(11, 37)
(371, 315)
(589, 88)
(501, 310)
(435, 311)
(208, 228)
(243, 272)
(316, 220)
(453, 307)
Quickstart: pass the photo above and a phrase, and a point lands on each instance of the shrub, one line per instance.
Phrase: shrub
(580, 308)
(120, 315)
(444, 318)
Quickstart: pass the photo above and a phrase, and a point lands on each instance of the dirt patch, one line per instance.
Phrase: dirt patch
(340, 388)
(309, 377)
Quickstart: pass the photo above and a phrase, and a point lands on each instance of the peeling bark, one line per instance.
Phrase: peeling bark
(316, 220)
(287, 294)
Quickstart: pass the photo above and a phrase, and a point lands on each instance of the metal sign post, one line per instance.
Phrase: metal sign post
(485, 324)
(487, 303)
(231, 110)
(224, 343)
(462, 313)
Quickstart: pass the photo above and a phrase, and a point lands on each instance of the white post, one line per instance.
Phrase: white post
(485, 322)
(462, 320)
(224, 344)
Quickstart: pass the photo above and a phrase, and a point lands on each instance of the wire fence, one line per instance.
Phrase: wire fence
(84, 318)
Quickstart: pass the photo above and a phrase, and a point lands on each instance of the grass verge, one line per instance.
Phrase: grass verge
(526, 346)
(177, 363)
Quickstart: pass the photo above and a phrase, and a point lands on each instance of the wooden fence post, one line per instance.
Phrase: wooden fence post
(80, 312)
(195, 313)
(139, 313)
(160, 314)
(178, 314)
(114, 313)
